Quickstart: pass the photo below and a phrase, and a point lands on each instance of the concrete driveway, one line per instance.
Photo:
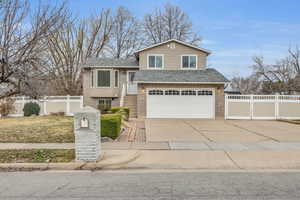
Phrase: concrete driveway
(195, 130)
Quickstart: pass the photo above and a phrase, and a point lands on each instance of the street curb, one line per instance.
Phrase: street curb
(111, 165)
(102, 164)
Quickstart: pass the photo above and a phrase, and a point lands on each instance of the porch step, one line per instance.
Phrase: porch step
(130, 101)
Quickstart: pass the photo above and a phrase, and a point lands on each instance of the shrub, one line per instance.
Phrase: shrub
(31, 109)
(7, 106)
(104, 108)
(111, 125)
(124, 111)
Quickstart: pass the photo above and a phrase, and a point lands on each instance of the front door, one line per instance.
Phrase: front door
(131, 85)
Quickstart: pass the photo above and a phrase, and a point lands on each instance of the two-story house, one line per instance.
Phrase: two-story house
(165, 80)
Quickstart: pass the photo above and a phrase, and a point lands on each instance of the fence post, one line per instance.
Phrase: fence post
(276, 107)
(68, 105)
(81, 101)
(45, 105)
(251, 106)
(23, 104)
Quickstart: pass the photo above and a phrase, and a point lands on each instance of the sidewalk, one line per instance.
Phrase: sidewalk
(217, 160)
(177, 159)
(205, 146)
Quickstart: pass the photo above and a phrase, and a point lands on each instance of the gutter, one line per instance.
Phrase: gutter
(182, 82)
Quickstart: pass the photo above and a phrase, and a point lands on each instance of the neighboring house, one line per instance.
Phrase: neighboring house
(165, 80)
(229, 90)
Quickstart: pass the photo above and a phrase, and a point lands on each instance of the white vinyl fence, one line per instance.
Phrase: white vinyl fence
(50, 104)
(262, 107)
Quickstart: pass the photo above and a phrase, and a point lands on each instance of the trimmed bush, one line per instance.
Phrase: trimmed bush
(111, 125)
(124, 111)
(31, 109)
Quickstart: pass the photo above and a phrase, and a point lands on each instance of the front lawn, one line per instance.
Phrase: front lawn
(41, 129)
(37, 155)
(51, 129)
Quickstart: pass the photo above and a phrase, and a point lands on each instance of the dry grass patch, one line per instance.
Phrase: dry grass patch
(36, 155)
(40, 129)
(290, 121)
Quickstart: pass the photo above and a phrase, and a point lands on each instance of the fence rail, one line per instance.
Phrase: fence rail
(262, 107)
(50, 104)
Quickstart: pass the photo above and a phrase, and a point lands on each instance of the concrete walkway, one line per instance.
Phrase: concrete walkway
(205, 146)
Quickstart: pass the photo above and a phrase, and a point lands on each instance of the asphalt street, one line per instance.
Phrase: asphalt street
(144, 185)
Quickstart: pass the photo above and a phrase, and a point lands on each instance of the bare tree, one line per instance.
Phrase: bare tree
(126, 34)
(169, 23)
(71, 46)
(294, 55)
(21, 45)
(276, 78)
(246, 85)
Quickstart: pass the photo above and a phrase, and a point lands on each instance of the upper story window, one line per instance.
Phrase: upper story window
(155, 61)
(189, 61)
(103, 78)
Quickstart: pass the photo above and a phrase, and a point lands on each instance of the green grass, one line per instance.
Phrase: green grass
(36, 155)
(40, 129)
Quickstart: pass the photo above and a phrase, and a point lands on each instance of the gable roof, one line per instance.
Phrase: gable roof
(111, 62)
(208, 75)
(178, 41)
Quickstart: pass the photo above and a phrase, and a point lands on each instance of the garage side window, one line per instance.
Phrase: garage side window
(172, 92)
(188, 92)
(156, 92)
(205, 93)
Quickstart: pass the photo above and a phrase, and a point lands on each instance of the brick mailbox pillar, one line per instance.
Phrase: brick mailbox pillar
(87, 134)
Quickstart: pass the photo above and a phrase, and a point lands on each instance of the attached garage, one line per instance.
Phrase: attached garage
(180, 93)
(181, 103)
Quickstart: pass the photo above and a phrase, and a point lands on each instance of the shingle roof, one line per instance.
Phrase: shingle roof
(111, 62)
(208, 75)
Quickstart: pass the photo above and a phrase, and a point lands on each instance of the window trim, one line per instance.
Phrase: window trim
(189, 68)
(118, 83)
(155, 68)
(92, 79)
(110, 78)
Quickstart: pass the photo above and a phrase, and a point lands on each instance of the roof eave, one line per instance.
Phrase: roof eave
(181, 42)
(220, 82)
(111, 66)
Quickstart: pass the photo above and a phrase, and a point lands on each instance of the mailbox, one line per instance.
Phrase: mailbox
(87, 134)
(84, 123)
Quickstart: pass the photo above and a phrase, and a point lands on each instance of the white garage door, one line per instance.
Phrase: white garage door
(180, 103)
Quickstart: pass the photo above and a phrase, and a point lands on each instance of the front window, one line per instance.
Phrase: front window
(155, 62)
(189, 62)
(103, 78)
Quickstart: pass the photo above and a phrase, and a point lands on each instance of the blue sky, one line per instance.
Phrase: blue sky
(235, 30)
